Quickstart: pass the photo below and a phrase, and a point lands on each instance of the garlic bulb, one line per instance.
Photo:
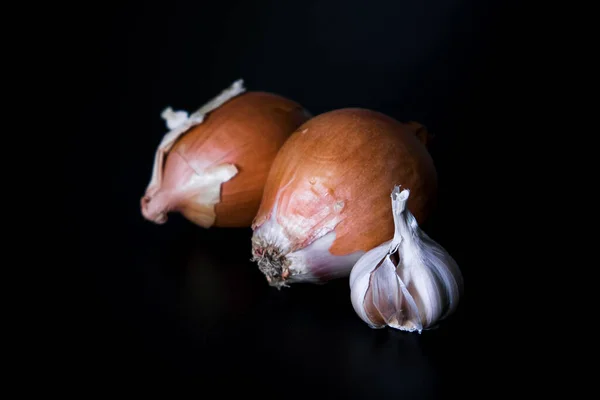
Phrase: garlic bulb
(408, 283)
(212, 165)
(326, 199)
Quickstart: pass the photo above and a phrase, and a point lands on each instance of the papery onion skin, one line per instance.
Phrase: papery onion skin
(334, 176)
(245, 134)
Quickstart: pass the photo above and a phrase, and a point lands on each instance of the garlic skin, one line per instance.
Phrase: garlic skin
(326, 199)
(212, 165)
(409, 283)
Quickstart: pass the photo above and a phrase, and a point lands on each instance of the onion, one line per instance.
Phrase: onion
(218, 159)
(326, 200)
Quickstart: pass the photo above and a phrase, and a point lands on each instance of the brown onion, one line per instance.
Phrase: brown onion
(326, 200)
(218, 159)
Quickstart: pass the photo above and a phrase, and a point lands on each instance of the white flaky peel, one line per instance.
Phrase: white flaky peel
(314, 263)
(409, 283)
(204, 192)
(204, 187)
(179, 122)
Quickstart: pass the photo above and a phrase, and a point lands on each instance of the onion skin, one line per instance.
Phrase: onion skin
(335, 174)
(245, 134)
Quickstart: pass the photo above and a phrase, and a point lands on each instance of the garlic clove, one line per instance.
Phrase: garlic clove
(385, 293)
(392, 299)
(409, 283)
(435, 278)
(360, 280)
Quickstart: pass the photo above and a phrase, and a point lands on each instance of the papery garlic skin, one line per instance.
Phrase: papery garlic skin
(409, 283)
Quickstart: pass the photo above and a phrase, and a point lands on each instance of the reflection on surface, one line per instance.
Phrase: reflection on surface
(188, 303)
(309, 334)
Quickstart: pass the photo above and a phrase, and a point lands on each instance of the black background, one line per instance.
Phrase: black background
(151, 304)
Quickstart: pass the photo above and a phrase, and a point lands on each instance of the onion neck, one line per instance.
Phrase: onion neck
(421, 132)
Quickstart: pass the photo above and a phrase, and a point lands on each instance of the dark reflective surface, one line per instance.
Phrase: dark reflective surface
(151, 304)
(190, 305)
